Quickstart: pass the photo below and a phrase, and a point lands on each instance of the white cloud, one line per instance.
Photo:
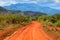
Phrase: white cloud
(9, 2)
(6, 3)
(56, 1)
(28, 1)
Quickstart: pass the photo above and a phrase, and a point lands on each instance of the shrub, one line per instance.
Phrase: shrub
(57, 23)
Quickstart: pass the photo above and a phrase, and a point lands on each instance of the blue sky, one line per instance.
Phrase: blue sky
(49, 3)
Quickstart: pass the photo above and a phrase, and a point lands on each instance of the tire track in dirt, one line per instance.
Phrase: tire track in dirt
(32, 31)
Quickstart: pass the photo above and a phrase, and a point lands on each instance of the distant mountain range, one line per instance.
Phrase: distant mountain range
(2, 9)
(32, 7)
(29, 13)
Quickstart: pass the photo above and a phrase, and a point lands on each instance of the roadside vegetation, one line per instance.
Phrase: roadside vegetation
(10, 22)
(51, 24)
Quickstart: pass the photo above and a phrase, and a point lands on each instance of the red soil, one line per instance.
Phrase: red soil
(52, 34)
(58, 29)
(33, 31)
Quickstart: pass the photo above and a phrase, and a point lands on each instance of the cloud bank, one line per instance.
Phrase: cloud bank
(9, 2)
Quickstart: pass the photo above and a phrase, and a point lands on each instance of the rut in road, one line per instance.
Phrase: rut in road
(32, 31)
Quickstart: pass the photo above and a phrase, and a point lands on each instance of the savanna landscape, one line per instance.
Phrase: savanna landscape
(30, 20)
(9, 23)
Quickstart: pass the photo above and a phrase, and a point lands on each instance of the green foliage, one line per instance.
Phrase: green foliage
(10, 18)
(50, 20)
(41, 17)
(6, 19)
(56, 16)
(55, 19)
(57, 23)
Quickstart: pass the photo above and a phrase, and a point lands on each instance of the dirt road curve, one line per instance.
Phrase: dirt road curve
(33, 31)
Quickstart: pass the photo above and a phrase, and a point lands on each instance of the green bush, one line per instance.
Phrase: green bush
(57, 23)
(42, 18)
(14, 19)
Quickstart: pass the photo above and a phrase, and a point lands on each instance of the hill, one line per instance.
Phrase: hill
(32, 7)
(29, 13)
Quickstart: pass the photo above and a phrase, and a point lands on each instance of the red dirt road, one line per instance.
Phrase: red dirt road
(33, 31)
